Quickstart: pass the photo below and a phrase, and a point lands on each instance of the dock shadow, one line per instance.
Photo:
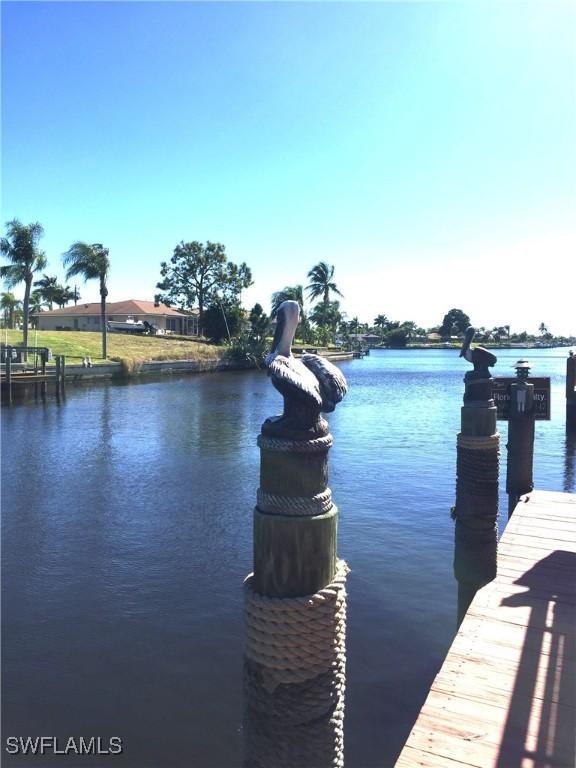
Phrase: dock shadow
(539, 727)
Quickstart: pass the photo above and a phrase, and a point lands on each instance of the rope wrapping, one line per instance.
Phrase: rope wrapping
(296, 639)
(475, 554)
(476, 509)
(477, 468)
(274, 744)
(294, 505)
(294, 677)
(294, 703)
(478, 443)
(316, 445)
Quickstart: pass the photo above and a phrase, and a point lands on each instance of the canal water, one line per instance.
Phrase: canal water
(127, 533)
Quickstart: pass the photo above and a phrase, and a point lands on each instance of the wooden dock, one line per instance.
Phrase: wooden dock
(506, 694)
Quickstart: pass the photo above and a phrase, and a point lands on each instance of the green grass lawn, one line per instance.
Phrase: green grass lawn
(121, 347)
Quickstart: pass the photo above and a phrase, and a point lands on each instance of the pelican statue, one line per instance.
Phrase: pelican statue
(480, 358)
(309, 385)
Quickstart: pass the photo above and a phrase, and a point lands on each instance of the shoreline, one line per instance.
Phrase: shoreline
(113, 370)
(487, 345)
(124, 371)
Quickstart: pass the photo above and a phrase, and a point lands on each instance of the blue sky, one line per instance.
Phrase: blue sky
(425, 149)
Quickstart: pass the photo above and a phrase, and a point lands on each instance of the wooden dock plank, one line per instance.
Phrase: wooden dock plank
(488, 679)
(506, 693)
(503, 640)
(412, 757)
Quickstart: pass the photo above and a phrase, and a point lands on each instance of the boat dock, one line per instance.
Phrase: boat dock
(505, 696)
(22, 367)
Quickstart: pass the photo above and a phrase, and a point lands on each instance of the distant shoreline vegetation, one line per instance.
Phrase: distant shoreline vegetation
(132, 350)
(199, 277)
(560, 342)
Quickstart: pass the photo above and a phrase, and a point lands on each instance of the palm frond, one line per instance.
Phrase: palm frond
(87, 261)
(321, 282)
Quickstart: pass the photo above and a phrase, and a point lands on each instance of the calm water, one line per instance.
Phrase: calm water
(127, 535)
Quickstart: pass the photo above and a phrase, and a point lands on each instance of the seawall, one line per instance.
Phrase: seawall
(118, 370)
(113, 370)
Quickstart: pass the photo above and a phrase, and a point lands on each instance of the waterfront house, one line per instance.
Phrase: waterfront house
(86, 317)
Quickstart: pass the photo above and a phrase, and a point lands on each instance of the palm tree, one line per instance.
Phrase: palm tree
(327, 317)
(63, 294)
(36, 304)
(409, 326)
(321, 282)
(90, 262)
(381, 321)
(48, 289)
(289, 292)
(293, 293)
(20, 247)
(9, 304)
(543, 328)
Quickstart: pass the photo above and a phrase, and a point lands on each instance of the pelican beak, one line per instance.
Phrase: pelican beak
(280, 324)
(467, 340)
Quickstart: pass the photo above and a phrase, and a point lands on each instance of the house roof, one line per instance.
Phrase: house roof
(129, 307)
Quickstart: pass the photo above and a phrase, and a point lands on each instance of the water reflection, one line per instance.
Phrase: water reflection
(127, 527)
(570, 462)
(296, 724)
(475, 562)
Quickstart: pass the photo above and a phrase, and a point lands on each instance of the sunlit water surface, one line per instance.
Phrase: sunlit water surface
(127, 533)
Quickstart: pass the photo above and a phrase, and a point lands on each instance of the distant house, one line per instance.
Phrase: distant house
(86, 317)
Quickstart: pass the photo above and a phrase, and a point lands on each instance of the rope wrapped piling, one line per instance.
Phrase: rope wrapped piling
(295, 613)
(294, 677)
(275, 504)
(476, 509)
(296, 639)
(477, 468)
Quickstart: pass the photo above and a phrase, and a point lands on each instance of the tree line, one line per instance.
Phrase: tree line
(200, 276)
(21, 248)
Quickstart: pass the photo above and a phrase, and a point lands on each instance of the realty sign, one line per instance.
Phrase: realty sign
(501, 395)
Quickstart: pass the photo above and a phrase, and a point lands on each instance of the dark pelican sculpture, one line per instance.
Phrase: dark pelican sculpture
(309, 385)
(480, 358)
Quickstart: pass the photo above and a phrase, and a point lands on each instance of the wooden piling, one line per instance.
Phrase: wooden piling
(295, 600)
(8, 369)
(519, 472)
(571, 393)
(476, 508)
(62, 374)
(58, 373)
(43, 383)
(294, 548)
(294, 709)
